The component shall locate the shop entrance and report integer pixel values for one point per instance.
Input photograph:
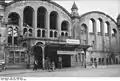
(66, 61)
(51, 53)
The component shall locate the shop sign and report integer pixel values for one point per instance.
(60, 52)
(72, 41)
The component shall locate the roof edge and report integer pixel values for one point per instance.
(99, 13)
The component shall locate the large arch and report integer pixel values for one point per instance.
(28, 16)
(41, 17)
(53, 20)
(14, 18)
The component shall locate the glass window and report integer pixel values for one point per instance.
(17, 60)
(23, 54)
(22, 60)
(17, 54)
(11, 60)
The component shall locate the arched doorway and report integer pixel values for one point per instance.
(37, 49)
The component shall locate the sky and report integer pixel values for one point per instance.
(110, 7)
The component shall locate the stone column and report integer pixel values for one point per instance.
(34, 23)
(95, 33)
(21, 22)
(103, 34)
(47, 24)
(58, 25)
(43, 56)
(110, 36)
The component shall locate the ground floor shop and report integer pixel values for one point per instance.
(70, 55)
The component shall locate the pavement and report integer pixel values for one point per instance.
(64, 71)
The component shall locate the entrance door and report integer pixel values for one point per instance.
(38, 55)
(51, 52)
(66, 61)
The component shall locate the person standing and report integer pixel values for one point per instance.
(35, 65)
(95, 62)
(60, 62)
(53, 65)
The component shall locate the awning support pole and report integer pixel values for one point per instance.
(85, 58)
(43, 56)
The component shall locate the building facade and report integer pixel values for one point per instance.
(36, 29)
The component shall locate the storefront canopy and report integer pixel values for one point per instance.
(68, 46)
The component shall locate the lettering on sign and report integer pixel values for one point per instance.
(72, 41)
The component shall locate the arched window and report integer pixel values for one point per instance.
(92, 24)
(24, 30)
(83, 29)
(51, 33)
(15, 35)
(10, 31)
(66, 34)
(64, 26)
(114, 32)
(62, 34)
(13, 18)
(55, 34)
(30, 32)
(24, 44)
(28, 16)
(10, 35)
(38, 33)
(53, 20)
(43, 33)
(41, 17)
(99, 25)
(106, 27)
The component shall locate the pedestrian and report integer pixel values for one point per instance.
(49, 65)
(35, 66)
(60, 62)
(95, 63)
(53, 65)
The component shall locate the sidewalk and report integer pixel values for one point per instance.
(22, 71)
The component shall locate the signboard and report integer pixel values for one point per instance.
(72, 41)
(60, 52)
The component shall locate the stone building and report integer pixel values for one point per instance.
(49, 30)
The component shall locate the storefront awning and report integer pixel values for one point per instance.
(72, 46)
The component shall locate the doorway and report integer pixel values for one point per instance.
(38, 55)
(66, 61)
(51, 53)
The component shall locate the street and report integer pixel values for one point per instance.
(101, 71)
